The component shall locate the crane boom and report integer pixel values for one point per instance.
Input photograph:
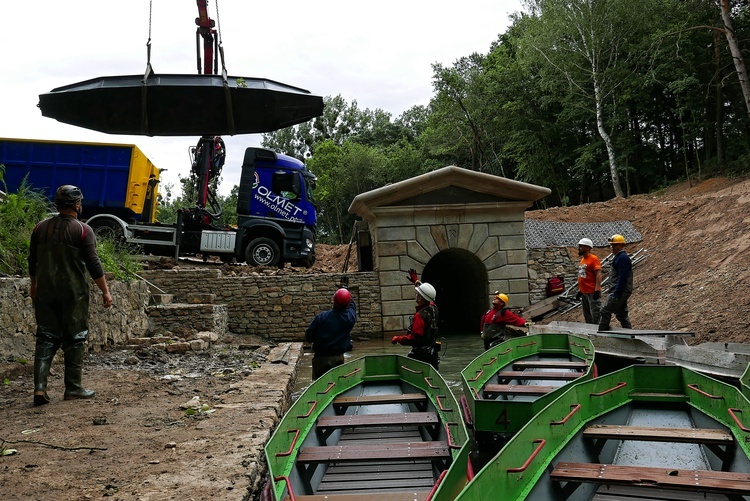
(206, 32)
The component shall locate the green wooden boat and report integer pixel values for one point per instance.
(508, 384)
(380, 425)
(643, 432)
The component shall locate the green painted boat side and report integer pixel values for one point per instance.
(745, 382)
(300, 420)
(522, 467)
(507, 416)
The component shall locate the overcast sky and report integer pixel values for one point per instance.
(377, 53)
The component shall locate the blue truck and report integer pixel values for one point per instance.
(276, 215)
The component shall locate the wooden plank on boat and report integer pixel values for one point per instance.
(545, 375)
(682, 435)
(391, 419)
(726, 482)
(393, 451)
(518, 389)
(383, 496)
(551, 364)
(405, 398)
(630, 493)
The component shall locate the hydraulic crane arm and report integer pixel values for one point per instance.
(207, 32)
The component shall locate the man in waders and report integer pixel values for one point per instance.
(62, 249)
(422, 333)
(330, 333)
(496, 320)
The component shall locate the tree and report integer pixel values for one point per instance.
(584, 41)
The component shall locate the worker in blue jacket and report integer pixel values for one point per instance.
(330, 333)
(621, 286)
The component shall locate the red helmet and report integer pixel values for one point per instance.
(341, 298)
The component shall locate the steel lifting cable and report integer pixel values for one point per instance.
(147, 73)
(227, 93)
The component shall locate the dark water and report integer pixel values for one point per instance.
(458, 351)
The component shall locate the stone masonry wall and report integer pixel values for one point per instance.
(279, 306)
(111, 327)
(547, 263)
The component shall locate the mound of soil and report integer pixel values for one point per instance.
(696, 277)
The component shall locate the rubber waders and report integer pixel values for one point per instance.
(74, 373)
(43, 355)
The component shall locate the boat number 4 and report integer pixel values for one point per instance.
(502, 418)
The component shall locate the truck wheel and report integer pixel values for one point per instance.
(109, 230)
(262, 252)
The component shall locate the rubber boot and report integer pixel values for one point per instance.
(43, 355)
(74, 373)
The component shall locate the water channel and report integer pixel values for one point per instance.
(458, 351)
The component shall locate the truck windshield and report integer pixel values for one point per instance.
(310, 188)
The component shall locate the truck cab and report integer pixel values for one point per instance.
(276, 215)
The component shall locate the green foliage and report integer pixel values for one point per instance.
(119, 259)
(19, 213)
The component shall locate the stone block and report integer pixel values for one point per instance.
(451, 230)
(426, 240)
(391, 249)
(451, 215)
(512, 242)
(140, 341)
(425, 216)
(198, 298)
(177, 347)
(464, 235)
(391, 220)
(417, 252)
(198, 345)
(159, 299)
(506, 228)
(488, 248)
(391, 308)
(389, 263)
(440, 236)
(495, 260)
(479, 235)
(518, 286)
(508, 272)
(208, 336)
(516, 256)
(394, 324)
(407, 263)
(392, 278)
(498, 285)
(390, 293)
(395, 233)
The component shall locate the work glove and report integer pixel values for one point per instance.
(528, 324)
(579, 295)
(597, 294)
(412, 276)
(397, 339)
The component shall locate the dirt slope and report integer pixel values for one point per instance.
(697, 276)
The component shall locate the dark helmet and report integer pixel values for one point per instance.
(341, 298)
(68, 194)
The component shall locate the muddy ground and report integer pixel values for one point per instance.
(136, 440)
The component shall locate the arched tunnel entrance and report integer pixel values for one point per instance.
(461, 282)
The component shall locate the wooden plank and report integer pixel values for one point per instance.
(394, 451)
(549, 364)
(518, 389)
(726, 482)
(630, 493)
(543, 375)
(369, 420)
(381, 496)
(682, 435)
(405, 398)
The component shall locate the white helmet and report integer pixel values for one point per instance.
(426, 291)
(587, 242)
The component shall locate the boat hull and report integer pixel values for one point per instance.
(640, 429)
(376, 425)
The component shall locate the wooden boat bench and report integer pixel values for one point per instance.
(714, 439)
(517, 389)
(537, 375)
(419, 399)
(729, 483)
(327, 424)
(362, 453)
(552, 364)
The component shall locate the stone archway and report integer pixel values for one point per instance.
(463, 230)
(460, 279)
